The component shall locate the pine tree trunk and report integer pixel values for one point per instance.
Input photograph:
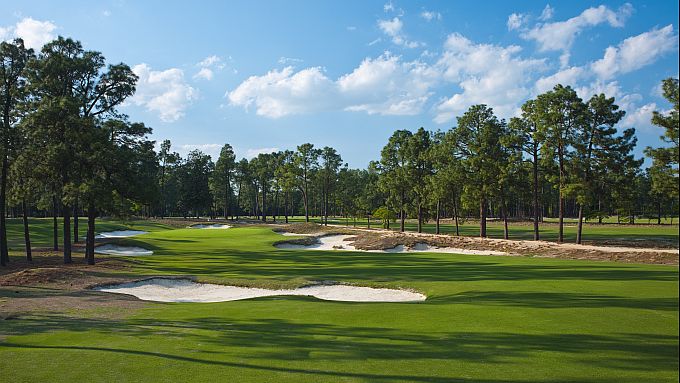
(402, 215)
(4, 251)
(455, 217)
(226, 203)
(535, 192)
(285, 206)
(579, 229)
(67, 234)
(238, 200)
(306, 202)
(561, 197)
(264, 206)
(55, 225)
(420, 218)
(455, 212)
(325, 208)
(506, 233)
(438, 209)
(227, 208)
(89, 241)
(482, 218)
(75, 222)
(560, 237)
(27, 236)
(275, 210)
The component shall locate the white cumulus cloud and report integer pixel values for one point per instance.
(205, 74)
(393, 29)
(547, 13)
(487, 74)
(636, 52)
(284, 92)
(569, 76)
(383, 85)
(516, 21)
(35, 33)
(208, 66)
(387, 85)
(164, 92)
(560, 35)
(639, 118)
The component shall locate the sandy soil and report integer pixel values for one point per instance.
(386, 240)
(345, 242)
(183, 290)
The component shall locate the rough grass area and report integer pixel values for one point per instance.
(487, 319)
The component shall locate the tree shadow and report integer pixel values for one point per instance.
(549, 300)
(268, 343)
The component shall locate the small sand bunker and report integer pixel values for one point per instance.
(120, 234)
(287, 234)
(183, 290)
(131, 251)
(210, 226)
(338, 242)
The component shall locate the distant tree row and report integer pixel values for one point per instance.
(67, 151)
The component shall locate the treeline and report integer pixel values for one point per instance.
(67, 151)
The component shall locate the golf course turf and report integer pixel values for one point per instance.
(486, 319)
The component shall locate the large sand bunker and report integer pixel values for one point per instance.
(131, 251)
(119, 234)
(210, 226)
(338, 242)
(183, 290)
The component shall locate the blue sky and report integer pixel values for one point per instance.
(271, 75)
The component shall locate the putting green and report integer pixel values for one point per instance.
(486, 319)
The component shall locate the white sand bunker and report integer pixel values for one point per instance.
(120, 234)
(287, 234)
(337, 242)
(182, 290)
(210, 226)
(132, 251)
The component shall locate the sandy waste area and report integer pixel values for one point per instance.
(338, 242)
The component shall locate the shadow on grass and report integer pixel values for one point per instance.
(273, 342)
(556, 300)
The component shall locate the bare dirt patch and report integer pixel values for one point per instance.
(48, 285)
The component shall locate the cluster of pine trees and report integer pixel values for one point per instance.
(67, 152)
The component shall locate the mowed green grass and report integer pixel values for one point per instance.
(41, 230)
(525, 230)
(486, 319)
